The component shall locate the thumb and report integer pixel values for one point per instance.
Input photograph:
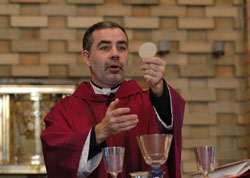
(112, 105)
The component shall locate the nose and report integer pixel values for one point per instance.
(114, 53)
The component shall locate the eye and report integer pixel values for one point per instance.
(104, 48)
(122, 48)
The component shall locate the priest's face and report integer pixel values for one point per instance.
(108, 57)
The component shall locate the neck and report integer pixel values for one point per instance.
(104, 91)
(98, 86)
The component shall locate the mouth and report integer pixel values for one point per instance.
(114, 68)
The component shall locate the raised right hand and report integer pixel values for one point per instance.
(116, 120)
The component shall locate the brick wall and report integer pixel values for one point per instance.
(41, 39)
(246, 10)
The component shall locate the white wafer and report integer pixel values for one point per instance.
(147, 50)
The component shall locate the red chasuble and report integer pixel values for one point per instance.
(70, 121)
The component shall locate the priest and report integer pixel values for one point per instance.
(111, 111)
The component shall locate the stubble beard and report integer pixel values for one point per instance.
(109, 78)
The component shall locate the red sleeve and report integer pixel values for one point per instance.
(174, 160)
(62, 142)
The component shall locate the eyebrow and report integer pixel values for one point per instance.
(103, 42)
(109, 42)
(123, 42)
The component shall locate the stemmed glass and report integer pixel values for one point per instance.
(205, 159)
(155, 148)
(113, 160)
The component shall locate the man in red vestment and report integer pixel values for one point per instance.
(110, 111)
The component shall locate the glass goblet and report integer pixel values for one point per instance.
(155, 148)
(205, 159)
(113, 160)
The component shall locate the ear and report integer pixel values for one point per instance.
(86, 57)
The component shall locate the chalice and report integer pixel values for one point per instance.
(113, 160)
(205, 159)
(155, 149)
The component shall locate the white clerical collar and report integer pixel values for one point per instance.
(103, 91)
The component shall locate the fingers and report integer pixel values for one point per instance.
(153, 63)
(120, 111)
(118, 118)
(123, 129)
(116, 125)
(113, 104)
(154, 60)
(154, 69)
(113, 112)
(151, 66)
(151, 72)
(123, 123)
(125, 118)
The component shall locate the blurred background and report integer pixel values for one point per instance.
(204, 42)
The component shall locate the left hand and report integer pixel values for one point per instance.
(154, 69)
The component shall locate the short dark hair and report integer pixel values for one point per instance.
(88, 39)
